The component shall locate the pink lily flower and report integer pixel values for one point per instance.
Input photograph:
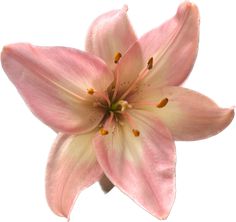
(118, 107)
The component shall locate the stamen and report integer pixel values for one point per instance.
(103, 132)
(162, 103)
(131, 123)
(90, 91)
(135, 132)
(108, 123)
(117, 57)
(99, 104)
(104, 96)
(143, 73)
(150, 63)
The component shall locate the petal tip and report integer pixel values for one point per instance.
(125, 8)
(163, 216)
(187, 7)
(12, 48)
(6, 49)
(231, 112)
(227, 117)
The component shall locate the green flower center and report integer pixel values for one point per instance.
(119, 106)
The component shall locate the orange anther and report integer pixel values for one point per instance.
(162, 103)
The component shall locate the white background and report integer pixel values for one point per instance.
(206, 170)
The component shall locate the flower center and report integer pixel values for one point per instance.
(116, 109)
(117, 112)
(119, 106)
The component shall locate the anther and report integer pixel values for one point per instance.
(135, 132)
(103, 132)
(150, 63)
(162, 103)
(90, 91)
(117, 57)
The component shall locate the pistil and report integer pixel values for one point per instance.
(120, 106)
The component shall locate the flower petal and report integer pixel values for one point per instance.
(54, 80)
(72, 166)
(173, 47)
(188, 115)
(142, 166)
(110, 33)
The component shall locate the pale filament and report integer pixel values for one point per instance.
(130, 120)
(109, 121)
(117, 57)
(140, 77)
(143, 103)
(103, 130)
(104, 96)
(117, 84)
(131, 123)
(99, 104)
(160, 104)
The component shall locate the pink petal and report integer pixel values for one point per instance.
(110, 33)
(54, 80)
(188, 115)
(72, 166)
(143, 167)
(173, 47)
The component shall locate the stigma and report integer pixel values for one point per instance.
(120, 106)
(124, 105)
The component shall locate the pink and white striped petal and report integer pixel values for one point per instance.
(173, 47)
(189, 115)
(72, 167)
(54, 81)
(109, 34)
(142, 166)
